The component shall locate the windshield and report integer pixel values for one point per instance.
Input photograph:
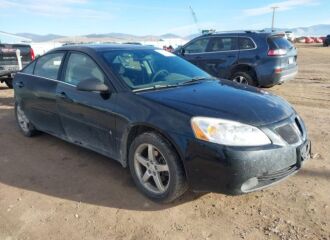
(151, 68)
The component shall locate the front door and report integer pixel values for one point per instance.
(195, 52)
(85, 116)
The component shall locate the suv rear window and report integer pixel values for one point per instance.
(278, 42)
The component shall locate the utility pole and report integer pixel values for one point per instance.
(273, 19)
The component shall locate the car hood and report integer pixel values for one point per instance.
(224, 99)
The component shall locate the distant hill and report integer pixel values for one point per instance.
(39, 38)
(315, 30)
(170, 35)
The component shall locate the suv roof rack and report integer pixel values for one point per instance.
(238, 31)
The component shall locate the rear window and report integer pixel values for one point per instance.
(279, 42)
(48, 65)
(9, 48)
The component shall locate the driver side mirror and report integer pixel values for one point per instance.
(92, 85)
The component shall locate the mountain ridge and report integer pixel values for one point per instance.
(314, 30)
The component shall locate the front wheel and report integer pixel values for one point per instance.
(244, 78)
(24, 123)
(156, 168)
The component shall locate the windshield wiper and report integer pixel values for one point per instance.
(196, 79)
(159, 86)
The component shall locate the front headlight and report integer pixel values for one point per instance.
(226, 132)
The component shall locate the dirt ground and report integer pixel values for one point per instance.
(50, 189)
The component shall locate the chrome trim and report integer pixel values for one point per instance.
(238, 50)
(50, 79)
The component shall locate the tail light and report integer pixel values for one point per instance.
(276, 52)
(32, 54)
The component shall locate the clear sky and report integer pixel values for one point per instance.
(142, 17)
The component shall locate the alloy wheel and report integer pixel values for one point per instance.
(23, 121)
(151, 168)
(241, 79)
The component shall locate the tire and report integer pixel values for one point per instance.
(9, 83)
(244, 78)
(173, 180)
(24, 124)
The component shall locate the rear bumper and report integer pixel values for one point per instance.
(238, 170)
(276, 78)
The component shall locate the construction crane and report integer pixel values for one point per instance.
(199, 30)
(194, 16)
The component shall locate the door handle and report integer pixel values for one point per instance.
(64, 97)
(20, 84)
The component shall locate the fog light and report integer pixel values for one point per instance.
(249, 184)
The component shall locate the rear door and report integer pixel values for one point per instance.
(221, 54)
(86, 116)
(36, 90)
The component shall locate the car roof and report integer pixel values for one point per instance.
(243, 33)
(102, 47)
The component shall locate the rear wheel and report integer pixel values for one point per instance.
(9, 82)
(244, 78)
(156, 168)
(24, 123)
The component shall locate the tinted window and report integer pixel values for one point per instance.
(279, 43)
(197, 46)
(49, 65)
(148, 68)
(245, 43)
(29, 69)
(223, 44)
(81, 67)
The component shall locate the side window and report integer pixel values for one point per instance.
(29, 69)
(245, 43)
(81, 67)
(223, 44)
(48, 66)
(197, 46)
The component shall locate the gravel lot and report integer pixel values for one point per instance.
(50, 189)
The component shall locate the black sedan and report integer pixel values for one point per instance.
(171, 123)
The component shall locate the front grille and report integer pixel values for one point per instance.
(289, 133)
(271, 178)
(276, 176)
